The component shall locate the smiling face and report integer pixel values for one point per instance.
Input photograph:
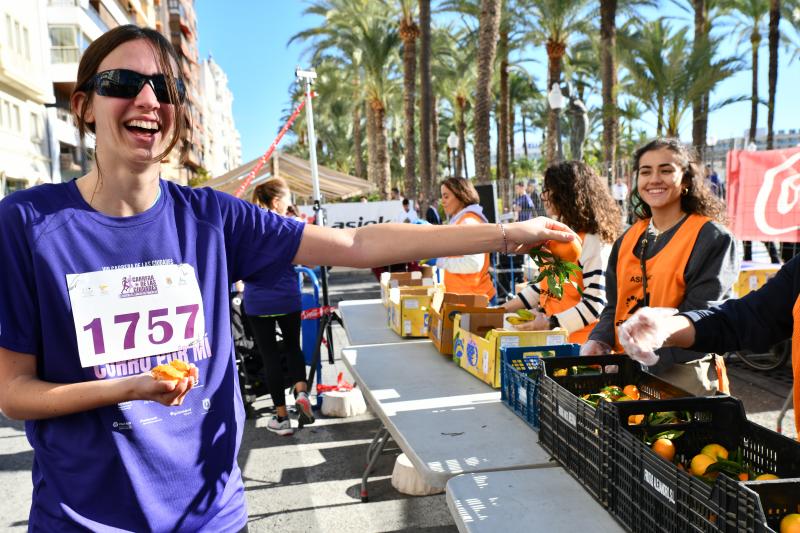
(660, 180)
(131, 131)
(450, 203)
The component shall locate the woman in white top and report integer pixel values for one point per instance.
(578, 197)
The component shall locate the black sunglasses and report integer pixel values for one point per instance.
(122, 83)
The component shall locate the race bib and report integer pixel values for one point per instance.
(135, 312)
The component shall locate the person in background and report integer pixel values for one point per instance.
(772, 251)
(115, 272)
(466, 274)
(679, 254)
(395, 195)
(620, 193)
(574, 194)
(431, 213)
(523, 205)
(409, 214)
(536, 199)
(272, 303)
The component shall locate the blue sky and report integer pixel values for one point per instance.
(248, 39)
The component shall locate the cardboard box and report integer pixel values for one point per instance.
(753, 276)
(443, 306)
(478, 337)
(408, 310)
(427, 277)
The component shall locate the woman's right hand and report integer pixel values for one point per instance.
(595, 348)
(644, 333)
(169, 393)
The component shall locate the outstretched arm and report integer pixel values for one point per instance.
(385, 244)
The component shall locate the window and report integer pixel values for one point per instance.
(18, 33)
(17, 119)
(67, 44)
(9, 31)
(7, 114)
(26, 42)
(36, 127)
(2, 115)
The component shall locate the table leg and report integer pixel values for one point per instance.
(373, 452)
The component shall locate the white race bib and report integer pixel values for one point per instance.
(135, 312)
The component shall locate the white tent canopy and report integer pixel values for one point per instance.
(297, 173)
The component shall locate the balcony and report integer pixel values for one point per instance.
(65, 54)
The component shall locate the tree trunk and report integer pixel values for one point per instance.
(511, 119)
(502, 108)
(460, 127)
(555, 55)
(434, 147)
(524, 135)
(499, 142)
(426, 96)
(358, 162)
(487, 47)
(409, 33)
(372, 158)
(660, 118)
(755, 42)
(698, 116)
(608, 70)
(774, 35)
(381, 150)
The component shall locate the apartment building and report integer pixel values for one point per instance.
(26, 155)
(222, 146)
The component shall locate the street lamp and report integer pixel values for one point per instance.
(452, 145)
(556, 101)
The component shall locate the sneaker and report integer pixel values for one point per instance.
(305, 415)
(281, 428)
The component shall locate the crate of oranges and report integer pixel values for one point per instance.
(570, 426)
(686, 463)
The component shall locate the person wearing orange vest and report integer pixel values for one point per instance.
(574, 194)
(679, 254)
(466, 274)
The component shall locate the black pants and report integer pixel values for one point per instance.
(772, 250)
(266, 341)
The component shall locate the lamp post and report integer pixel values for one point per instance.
(452, 146)
(556, 101)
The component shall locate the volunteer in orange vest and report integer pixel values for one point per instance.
(465, 274)
(679, 254)
(574, 194)
(755, 322)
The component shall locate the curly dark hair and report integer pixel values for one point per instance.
(697, 198)
(582, 199)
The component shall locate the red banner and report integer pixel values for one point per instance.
(764, 195)
(316, 312)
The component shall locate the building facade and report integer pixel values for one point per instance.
(222, 146)
(26, 153)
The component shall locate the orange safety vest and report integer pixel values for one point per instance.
(477, 283)
(570, 299)
(665, 283)
(796, 363)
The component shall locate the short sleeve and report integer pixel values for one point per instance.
(20, 329)
(260, 243)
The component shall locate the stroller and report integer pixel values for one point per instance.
(250, 368)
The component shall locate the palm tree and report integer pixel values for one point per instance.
(608, 74)
(426, 164)
(774, 35)
(750, 19)
(409, 32)
(554, 23)
(487, 46)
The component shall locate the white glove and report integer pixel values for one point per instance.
(595, 348)
(642, 334)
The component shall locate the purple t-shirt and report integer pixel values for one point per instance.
(135, 466)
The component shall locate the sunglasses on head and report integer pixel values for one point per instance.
(122, 83)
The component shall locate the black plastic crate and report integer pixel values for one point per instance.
(648, 493)
(571, 429)
(771, 500)
(520, 374)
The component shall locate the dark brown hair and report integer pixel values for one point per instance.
(463, 190)
(582, 200)
(273, 188)
(108, 42)
(698, 198)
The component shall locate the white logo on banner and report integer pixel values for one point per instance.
(788, 196)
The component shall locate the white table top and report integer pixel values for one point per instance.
(365, 322)
(445, 420)
(542, 499)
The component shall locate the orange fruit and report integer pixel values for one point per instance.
(566, 251)
(790, 523)
(631, 391)
(665, 449)
(635, 420)
(700, 463)
(715, 451)
(765, 477)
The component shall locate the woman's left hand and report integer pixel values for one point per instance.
(540, 323)
(522, 236)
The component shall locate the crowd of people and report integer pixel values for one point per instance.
(118, 271)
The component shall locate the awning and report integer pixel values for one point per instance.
(297, 173)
